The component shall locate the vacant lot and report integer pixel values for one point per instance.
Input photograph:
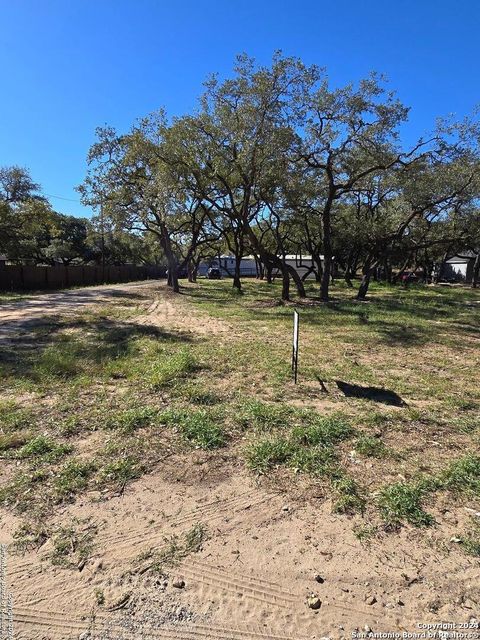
(147, 438)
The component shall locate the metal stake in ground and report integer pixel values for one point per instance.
(296, 323)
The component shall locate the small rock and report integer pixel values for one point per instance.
(367, 629)
(319, 579)
(314, 602)
(390, 605)
(370, 600)
(455, 539)
(285, 507)
(178, 583)
(84, 636)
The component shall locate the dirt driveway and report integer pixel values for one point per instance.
(17, 318)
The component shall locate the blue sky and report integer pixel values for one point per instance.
(71, 65)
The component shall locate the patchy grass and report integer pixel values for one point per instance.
(323, 431)
(43, 449)
(470, 541)
(169, 369)
(403, 502)
(73, 544)
(129, 420)
(73, 477)
(174, 550)
(265, 453)
(370, 446)
(120, 471)
(351, 497)
(462, 475)
(199, 428)
(99, 372)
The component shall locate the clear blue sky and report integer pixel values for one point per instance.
(68, 66)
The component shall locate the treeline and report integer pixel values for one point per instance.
(32, 233)
(276, 161)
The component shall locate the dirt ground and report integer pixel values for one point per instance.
(266, 552)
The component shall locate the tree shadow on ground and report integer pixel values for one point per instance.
(377, 394)
(97, 341)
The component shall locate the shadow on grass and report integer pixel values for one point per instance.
(377, 394)
(72, 345)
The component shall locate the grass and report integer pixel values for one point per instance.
(169, 369)
(403, 502)
(199, 428)
(73, 544)
(43, 448)
(370, 446)
(175, 549)
(265, 453)
(151, 390)
(129, 420)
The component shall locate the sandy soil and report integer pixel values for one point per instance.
(266, 551)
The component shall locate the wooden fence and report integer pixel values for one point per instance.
(13, 277)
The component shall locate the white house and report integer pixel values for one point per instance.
(226, 264)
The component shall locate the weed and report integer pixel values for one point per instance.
(351, 498)
(73, 477)
(323, 431)
(43, 448)
(165, 371)
(266, 453)
(73, 545)
(175, 549)
(30, 536)
(370, 446)
(365, 533)
(402, 501)
(130, 420)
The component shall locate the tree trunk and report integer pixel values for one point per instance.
(268, 272)
(237, 283)
(365, 283)
(297, 280)
(476, 271)
(327, 256)
(438, 275)
(285, 283)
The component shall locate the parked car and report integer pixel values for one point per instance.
(214, 273)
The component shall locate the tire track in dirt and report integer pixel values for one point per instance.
(53, 620)
(209, 511)
(262, 591)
